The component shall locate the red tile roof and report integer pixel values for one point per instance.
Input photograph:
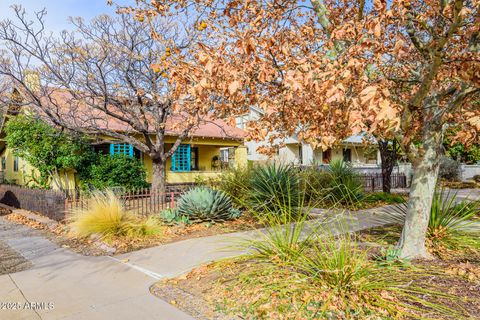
(80, 115)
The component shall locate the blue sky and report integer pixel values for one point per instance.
(60, 10)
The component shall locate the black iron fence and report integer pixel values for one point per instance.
(140, 201)
(374, 182)
(371, 181)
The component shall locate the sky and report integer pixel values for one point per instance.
(58, 11)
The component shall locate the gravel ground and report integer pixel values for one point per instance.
(11, 261)
(193, 304)
(20, 246)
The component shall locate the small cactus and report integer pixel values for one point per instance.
(202, 204)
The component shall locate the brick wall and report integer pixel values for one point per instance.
(46, 202)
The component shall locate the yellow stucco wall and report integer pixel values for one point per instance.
(207, 149)
(26, 173)
(18, 177)
(241, 157)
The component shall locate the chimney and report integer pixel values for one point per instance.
(32, 80)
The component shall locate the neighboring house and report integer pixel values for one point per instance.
(211, 147)
(353, 149)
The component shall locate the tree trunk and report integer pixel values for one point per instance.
(388, 154)
(158, 175)
(425, 174)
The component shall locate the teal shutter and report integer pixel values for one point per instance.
(181, 159)
(121, 148)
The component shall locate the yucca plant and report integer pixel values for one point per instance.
(314, 182)
(106, 216)
(272, 187)
(345, 186)
(356, 285)
(203, 204)
(447, 215)
(451, 224)
(450, 215)
(322, 256)
(284, 238)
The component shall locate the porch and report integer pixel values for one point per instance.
(193, 162)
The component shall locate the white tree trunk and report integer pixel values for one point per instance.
(425, 173)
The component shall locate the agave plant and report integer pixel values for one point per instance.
(172, 216)
(273, 187)
(202, 204)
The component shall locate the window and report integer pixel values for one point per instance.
(181, 158)
(194, 158)
(347, 155)
(121, 148)
(4, 163)
(327, 156)
(241, 121)
(15, 164)
(300, 154)
(224, 155)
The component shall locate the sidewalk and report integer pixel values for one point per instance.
(79, 287)
(109, 287)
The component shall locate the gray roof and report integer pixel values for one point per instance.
(360, 138)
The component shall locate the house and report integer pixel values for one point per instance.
(357, 149)
(211, 147)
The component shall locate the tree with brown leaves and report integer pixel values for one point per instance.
(327, 69)
(105, 80)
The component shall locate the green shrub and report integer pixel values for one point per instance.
(314, 182)
(47, 149)
(107, 171)
(203, 204)
(345, 186)
(273, 187)
(449, 169)
(235, 182)
(384, 197)
(106, 216)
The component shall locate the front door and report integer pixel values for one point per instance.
(347, 155)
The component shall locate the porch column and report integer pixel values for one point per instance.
(240, 157)
(307, 154)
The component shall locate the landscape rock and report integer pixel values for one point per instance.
(4, 210)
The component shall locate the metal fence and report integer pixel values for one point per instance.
(374, 182)
(140, 201)
(371, 181)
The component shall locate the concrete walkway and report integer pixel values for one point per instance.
(79, 287)
(109, 287)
